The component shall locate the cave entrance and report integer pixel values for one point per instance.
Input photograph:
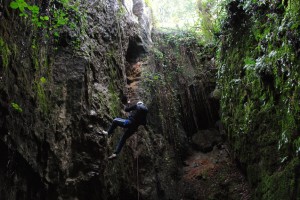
(136, 49)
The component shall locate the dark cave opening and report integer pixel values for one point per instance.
(18, 180)
(136, 49)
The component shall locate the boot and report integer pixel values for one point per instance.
(104, 132)
(113, 156)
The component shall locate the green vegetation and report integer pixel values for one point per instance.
(211, 14)
(114, 105)
(176, 59)
(67, 14)
(16, 107)
(202, 18)
(32, 11)
(4, 53)
(41, 95)
(114, 100)
(174, 14)
(43, 27)
(258, 76)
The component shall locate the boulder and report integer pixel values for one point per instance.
(205, 140)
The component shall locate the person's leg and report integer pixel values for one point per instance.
(118, 122)
(129, 132)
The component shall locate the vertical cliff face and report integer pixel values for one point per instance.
(66, 69)
(185, 70)
(61, 83)
(178, 81)
(258, 75)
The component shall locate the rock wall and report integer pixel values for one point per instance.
(258, 78)
(60, 85)
(64, 80)
(177, 82)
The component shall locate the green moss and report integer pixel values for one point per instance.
(177, 58)
(258, 77)
(15, 50)
(35, 48)
(279, 185)
(4, 52)
(114, 100)
(110, 54)
(41, 95)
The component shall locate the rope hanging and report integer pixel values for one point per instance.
(137, 166)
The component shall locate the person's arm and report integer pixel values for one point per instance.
(130, 108)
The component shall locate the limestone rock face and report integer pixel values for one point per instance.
(67, 93)
(199, 110)
(67, 89)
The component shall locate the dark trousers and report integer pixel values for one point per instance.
(125, 123)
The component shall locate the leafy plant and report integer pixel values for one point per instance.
(249, 63)
(21, 5)
(33, 11)
(65, 3)
(59, 16)
(4, 53)
(16, 107)
(43, 80)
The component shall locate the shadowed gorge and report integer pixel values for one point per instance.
(221, 86)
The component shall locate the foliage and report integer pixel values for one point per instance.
(174, 14)
(16, 107)
(60, 20)
(4, 52)
(211, 14)
(202, 18)
(19, 4)
(176, 58)
(43, 27)
(43, 80)
(258, 76)
(32, 11)
(58, 16)
(41, 95)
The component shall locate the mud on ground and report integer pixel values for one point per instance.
(212, 176)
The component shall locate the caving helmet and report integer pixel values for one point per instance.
(139, 103)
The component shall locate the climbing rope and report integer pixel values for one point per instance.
(137, 166)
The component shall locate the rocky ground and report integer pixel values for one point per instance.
(212, 175)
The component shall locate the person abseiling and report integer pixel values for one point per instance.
(137, 116)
